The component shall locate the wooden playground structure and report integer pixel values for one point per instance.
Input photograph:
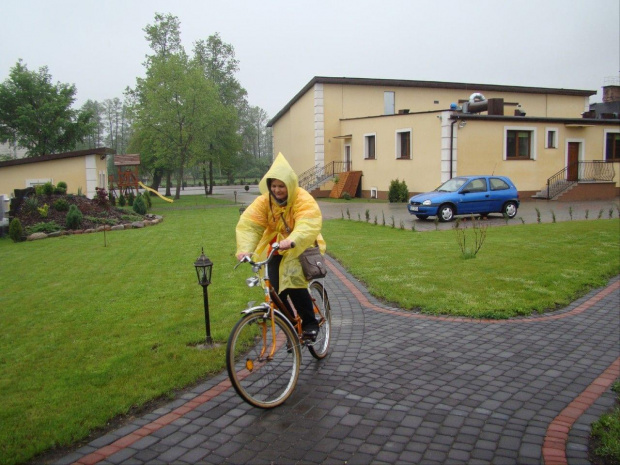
(126, 179)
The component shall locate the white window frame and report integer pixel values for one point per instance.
(533, 148)
(389, 104)
(555, 139)
(366, 136)
(38, 182)
(397, 151)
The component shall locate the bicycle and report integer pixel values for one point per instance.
(263, 354)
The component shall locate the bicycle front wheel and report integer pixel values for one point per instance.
(323, 314)
(263, 359)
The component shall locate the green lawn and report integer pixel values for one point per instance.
(93, 325)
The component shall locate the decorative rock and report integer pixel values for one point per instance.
(137, 224)
(89, 231)
(37, 236)
(117, 227)
(55, 234)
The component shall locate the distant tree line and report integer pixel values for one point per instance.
(189, 115)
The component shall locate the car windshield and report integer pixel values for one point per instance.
(452, 185)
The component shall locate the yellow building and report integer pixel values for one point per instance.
(426, 132)
(83, 170)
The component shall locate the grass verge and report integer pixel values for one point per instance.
(92, 328)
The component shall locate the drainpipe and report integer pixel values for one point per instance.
(452, 144)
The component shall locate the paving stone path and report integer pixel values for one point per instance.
(403, 388)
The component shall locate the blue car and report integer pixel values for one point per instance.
(467, 195)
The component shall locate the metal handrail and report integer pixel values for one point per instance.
(317, 175)
(587, 171)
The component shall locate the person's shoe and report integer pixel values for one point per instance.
(310, 334)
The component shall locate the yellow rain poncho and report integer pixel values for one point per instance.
(262, 221)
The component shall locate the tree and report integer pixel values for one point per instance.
(37, 115)
(177, 112)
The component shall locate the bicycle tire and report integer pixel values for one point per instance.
(263, 382)
(318, 349)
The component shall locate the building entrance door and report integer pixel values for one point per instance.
(573, 161)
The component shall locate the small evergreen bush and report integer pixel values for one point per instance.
(112, 199)
(15, 230)
(62, 185)
(60, 190)
(49, 227)
(44, 210)
(61, 205)
(48, 188)
(147, 200)
(101, 197)
(138, 206)
(398, 192)
(31, 204)
(131, 198)
(74, 217)
(121, 200)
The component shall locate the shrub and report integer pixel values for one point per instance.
(44, 210)
(147, 200)
(62, 185)
(74, 217)
(48, 227)
(101, 197)
(398, 192)
(130, 199)
(61, 205)
(48, 188)
(60, 190)
(112, 199)
(38, 189)
(138, 206)
(31, 204)
(121, 200)
(15, 230)
(346, 196)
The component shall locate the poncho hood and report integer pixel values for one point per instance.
(280, 169)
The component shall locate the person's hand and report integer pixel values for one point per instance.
(242, 255)
(286, 244)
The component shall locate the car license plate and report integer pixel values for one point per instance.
(414, 209)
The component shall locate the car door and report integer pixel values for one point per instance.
(474, 197)
(501, 191)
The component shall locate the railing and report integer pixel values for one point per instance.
(581, 171)
(317, 175)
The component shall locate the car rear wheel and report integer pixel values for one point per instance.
(422, 217)
(510, 209)
(446, 212)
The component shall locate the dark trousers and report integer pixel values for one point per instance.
(300, 297)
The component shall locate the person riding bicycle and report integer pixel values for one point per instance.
(287, 214)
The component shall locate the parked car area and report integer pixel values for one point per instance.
(467, 195)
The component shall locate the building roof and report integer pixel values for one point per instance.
(425, 84)
(127, 160)
(102, 151)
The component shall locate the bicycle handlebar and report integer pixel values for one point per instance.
(274, 247)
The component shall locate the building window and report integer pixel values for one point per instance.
(403, 144)
(520, 144)
(369, 146)
(612, 146)
(551, 140)
(389, 105)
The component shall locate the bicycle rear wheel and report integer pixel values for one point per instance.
(263, 375)
(322, 312)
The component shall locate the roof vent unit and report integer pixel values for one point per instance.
(476, 103)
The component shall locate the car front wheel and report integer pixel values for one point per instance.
(446, 213)
(422, 217)
(510, 209)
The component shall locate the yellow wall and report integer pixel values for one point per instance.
(293, 135)
(73, 171)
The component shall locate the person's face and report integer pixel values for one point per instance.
(279, 190)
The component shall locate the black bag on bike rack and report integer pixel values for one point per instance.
(312, 263)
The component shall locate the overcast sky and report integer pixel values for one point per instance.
(281, 44)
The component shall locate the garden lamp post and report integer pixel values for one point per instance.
(204, 266)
